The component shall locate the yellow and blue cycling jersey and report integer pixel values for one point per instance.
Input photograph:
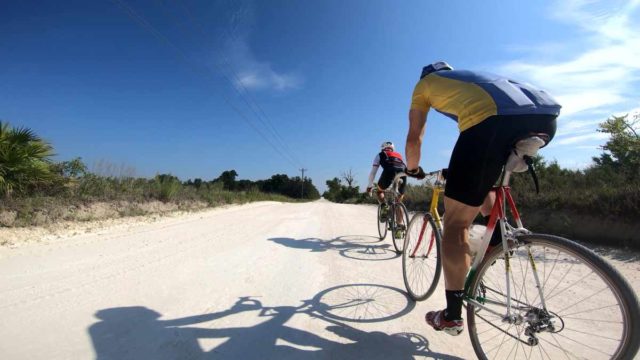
(470, 97)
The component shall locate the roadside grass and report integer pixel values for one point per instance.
(94, 197)
(576, 208)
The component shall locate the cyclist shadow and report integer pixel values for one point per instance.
(139, 333)
(357, 247)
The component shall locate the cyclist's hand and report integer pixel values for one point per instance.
(369, 190)
(416, 173)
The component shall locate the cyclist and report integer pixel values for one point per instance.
(392, 164)
(492, 113)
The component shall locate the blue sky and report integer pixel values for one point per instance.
(197, 87)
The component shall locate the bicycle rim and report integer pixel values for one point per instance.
(382, 226)
(398, 242)
(591, 311)
(421, 258)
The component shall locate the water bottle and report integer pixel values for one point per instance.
(475, 238)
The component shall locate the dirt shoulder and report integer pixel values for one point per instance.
(102, 219)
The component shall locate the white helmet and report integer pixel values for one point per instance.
(387, 145)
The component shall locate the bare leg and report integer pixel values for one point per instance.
(399, 217)
(456, 258)
(486, 207)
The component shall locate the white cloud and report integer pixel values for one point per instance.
(238, 56)
(602, 77)
(633, 113)
(263, 77)
(577, 126)
(573, 139)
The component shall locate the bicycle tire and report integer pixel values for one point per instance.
(382, 225)
(398, 243)
(421, 262)
(607, 312)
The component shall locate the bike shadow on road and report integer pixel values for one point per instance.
(137, 332)
(357, 247)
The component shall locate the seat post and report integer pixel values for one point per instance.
(506, 177)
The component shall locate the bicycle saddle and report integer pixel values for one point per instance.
(523, 152)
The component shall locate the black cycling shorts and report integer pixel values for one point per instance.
(482, 150)
(386, 179)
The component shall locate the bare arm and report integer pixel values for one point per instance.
(417, 124)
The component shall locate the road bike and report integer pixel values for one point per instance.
(538, 296)
(398, 223)
(421, 266)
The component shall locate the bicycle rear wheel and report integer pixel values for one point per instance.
(382, 225)
(589, 311)
(399, 231)
(421, 258)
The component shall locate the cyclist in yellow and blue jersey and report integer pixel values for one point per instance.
(493, 112)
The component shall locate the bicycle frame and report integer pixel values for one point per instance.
(438, 188)
(392, 193)
(395, 187)
(433, 208)
(499, 215)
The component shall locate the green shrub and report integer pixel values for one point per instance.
(24, 160)
(167, 187)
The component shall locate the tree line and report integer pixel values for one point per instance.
(34, 186)
(293, 187)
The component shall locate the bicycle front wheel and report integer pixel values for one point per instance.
(566, 302)
(399, 229)
(421, 258)
(382, 223)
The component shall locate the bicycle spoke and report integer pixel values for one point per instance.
(485, 331)
(520, 331)
(557, 345)
(570, 286)
(593, 334)
(583, 300)
(592, 320)
(420, 272)
(583, 344)
(582, 318)
(544, 271)
(530, 352)
(544, 286)
(523, 289)
(515, 347)
(503, 340)
(498, 346)
(541, 349)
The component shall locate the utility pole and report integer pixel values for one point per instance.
(302, 183)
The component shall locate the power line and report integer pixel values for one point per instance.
(140, 20)
(237, 83)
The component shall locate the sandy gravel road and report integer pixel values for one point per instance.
(260, 281)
